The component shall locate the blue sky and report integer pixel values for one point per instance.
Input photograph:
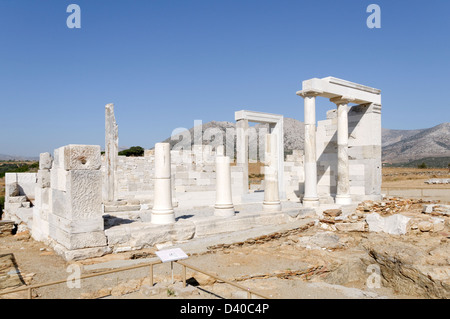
(167, 63)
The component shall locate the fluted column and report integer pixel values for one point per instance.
(162, 212)
(310, 197)
(224, 203)
(343, 182)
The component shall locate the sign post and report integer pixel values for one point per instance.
(171, 255)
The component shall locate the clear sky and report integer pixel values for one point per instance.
(167, 63)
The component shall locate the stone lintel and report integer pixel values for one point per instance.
(259, 117)
(334, 87)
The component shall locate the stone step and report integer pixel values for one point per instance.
(121, 208)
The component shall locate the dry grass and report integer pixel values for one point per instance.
(413, 177)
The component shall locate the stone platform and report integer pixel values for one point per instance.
(136, 231)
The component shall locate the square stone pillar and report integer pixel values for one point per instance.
(42, 203)
(111, 153)
(76, 222)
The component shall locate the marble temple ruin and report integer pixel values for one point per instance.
(85, 204)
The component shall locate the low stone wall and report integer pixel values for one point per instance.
(19, 198)
(192, 171)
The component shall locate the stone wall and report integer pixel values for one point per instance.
(364, 153)
(19, 197)
(192, 171)
(294, 175)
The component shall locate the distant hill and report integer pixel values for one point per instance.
(398, 146)
(4, 157)
(293, 135)
(389, 137)
(418, 144)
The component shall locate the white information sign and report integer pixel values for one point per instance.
(171, 254)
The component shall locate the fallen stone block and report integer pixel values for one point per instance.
(349, 227)
(425, 226)
(306, 213)
(332, 212)
(427, 209)
(394, 225)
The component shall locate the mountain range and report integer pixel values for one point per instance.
(398, 146)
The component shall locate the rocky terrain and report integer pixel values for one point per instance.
(416, 144)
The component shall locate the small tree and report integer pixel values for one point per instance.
(133, 151)
(423, 165)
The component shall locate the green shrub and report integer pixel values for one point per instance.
(133, 151)
(423, 165)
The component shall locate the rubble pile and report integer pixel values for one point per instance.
(334, 220)
(395, 216)
(391, 205)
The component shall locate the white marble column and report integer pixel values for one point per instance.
(343, 183)
(310, 198)
(224, 203)
(162, 212)
(242, 150)
(271, 192)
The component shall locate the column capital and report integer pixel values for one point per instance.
(342, 100)
(309, 93)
